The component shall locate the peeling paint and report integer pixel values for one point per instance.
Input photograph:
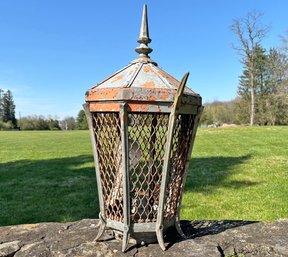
(109, 93)
(149, 84)
(104, 107)
(164, 95)
(117, 78)
(147, 68)
(144, 82)
(152, 98)
(138, 107)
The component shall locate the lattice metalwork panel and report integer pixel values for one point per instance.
(108, 143)
(147, 139)
(182, 137)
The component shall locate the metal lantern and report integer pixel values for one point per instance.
(142, 123)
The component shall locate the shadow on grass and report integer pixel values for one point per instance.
(208, 173)
(64, 189)
(59, 190)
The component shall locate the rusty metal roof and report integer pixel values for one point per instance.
(141, 80)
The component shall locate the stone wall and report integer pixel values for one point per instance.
(205, 238)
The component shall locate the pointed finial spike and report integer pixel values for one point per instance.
(144, 30)
(143, 50)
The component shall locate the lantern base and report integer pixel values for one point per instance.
(138, 233)
(143, 238)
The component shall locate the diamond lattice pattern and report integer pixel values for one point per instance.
(147, 139)
(108, 144)
(182, 136)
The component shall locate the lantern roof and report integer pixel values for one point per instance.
(142, 79)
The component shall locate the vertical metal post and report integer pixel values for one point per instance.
(151, 177)
(186, 170)
(102, 218)
(167, 161)
(125, 169)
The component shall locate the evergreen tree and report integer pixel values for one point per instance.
(1, 107)
(8, 108)
(277, 66)
(270, 87)
(260, 80)
(81, 120)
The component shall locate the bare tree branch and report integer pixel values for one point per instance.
(250, 33)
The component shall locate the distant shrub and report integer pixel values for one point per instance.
(6, 125)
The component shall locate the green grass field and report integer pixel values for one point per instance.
(235, 173)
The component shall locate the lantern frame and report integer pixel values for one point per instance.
(110, 109)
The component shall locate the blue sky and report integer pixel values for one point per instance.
(53, 51)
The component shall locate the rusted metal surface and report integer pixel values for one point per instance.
(108, 142)
(140, 82)
(131, 106)
(182, 136)
(125, 171)
(141, 107)
(142, 124)
(144, 75)
(186, 168)
(147, 141)
(167, 162)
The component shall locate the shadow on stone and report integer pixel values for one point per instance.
(200, 228)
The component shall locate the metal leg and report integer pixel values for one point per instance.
(179, 229)
(125, 171)
(125, 240)
(177, 221)
(102, 226)
(167, 161)
(159, 234)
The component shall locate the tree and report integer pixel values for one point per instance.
(68, 123)
(241, 111)
(8, 108)
(284, 41)
(277, 65)
(250, 33)
(1, 108)
(261, 79)
(270, 84)
(53, 124)
(81, 121)
(218, 113)
(38, 123)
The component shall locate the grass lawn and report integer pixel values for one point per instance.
(238, 173)
(46, 176)
(235, 173)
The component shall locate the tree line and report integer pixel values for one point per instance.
(35, 122)
(8, 120)
(263, 85)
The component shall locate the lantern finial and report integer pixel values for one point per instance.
(143, 50)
